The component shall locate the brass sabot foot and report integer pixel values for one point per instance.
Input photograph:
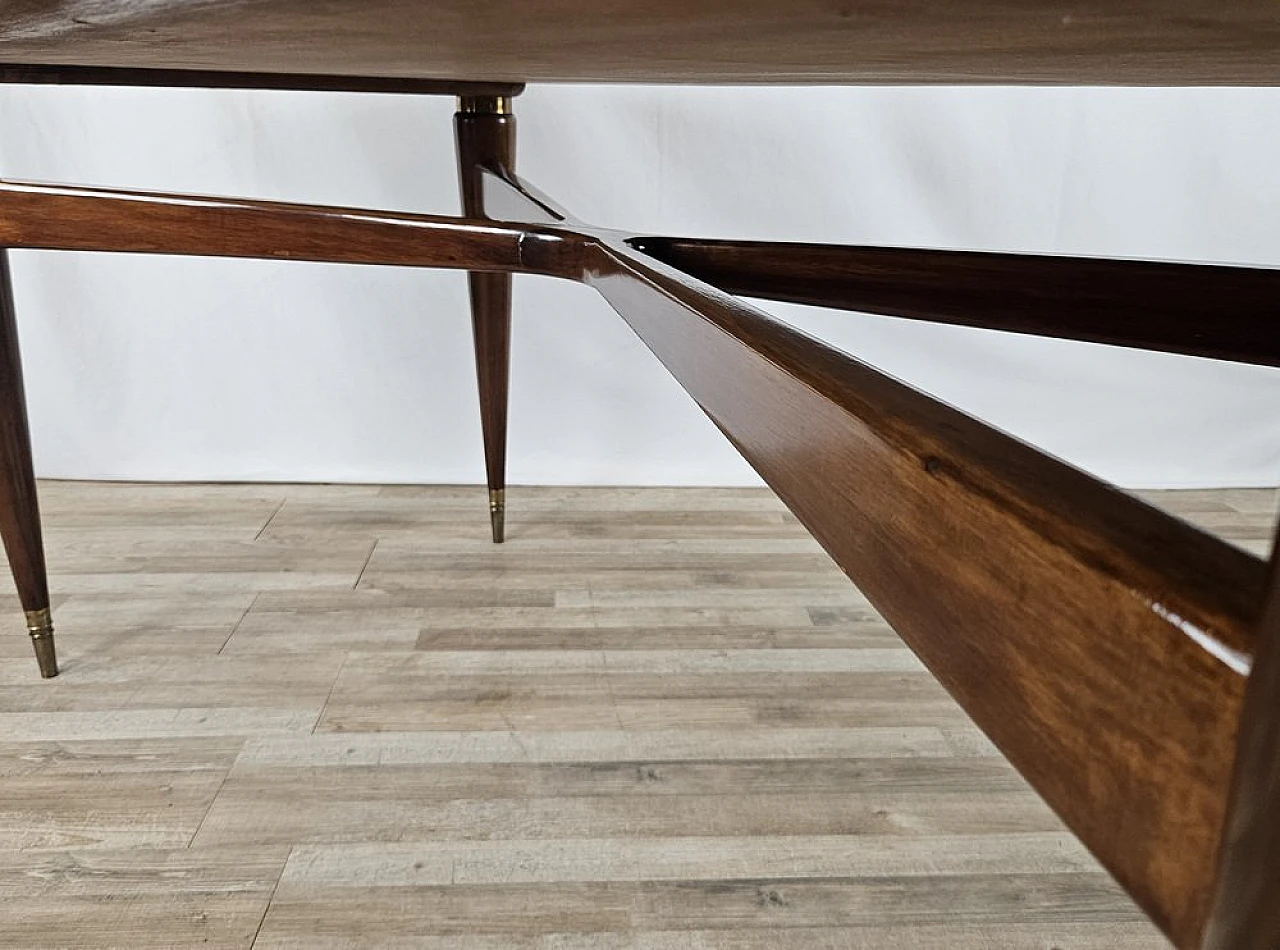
(40, 626)
(497, 513)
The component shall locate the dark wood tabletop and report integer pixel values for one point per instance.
(1126, 42)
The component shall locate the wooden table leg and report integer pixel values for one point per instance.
(19, 512)
(486, 137)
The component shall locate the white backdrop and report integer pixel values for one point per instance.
(158, 368)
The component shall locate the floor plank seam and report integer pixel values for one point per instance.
(236, 626)
(213, 800)
(271, 518)
(332, 688)
(365, 566)
(270, 899)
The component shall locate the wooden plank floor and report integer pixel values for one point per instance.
(657, 719)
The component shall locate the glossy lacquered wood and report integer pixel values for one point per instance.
(19, 509)
(50, 216)
(1101, 644)
(1230, 313)
(225, 79)
(486, 138)
(815, 41)
(509, 198)
(1247, 911)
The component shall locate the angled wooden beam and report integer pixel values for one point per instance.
(509, 198)
(1228, 313)
(1246, 915)
(1101, 643)
(95, 219)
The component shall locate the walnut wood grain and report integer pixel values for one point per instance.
(1229, 313)
(1129, 42)
(1247, 911)
(86, 219)
(1097, 641)
(486, 138)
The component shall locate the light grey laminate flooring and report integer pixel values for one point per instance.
(329, 718)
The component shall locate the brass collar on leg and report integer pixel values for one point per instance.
(497, 513)
(40, 627)
(484, 105)
(40, 623)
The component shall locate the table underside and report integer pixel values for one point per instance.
(1127, 664)
(1125, 42)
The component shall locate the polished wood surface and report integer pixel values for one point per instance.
(19, 507)
(486, 138)
(224, 79)
(656, 719)
(1137, 42)
(1247, 912)
(1230, 313)
(509, 198)
(1032, 591)
(96, 219)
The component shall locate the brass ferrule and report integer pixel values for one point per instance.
(497, 513)
(40, 623)
(484, 105)
(40, 626)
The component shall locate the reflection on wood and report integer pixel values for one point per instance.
(99, 219)
(1032, 591)
(1230, 313)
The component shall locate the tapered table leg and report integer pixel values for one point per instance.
(486, 136)
(19, 512)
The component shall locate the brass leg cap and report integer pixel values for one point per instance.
(46, 656)
(40, 626)
(497, 513)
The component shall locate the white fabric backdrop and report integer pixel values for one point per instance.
(194, 369)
